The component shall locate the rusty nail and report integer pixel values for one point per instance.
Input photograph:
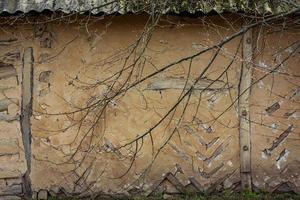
(248, 40)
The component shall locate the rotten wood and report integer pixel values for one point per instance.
(213, 187)
(273, 108)
(244, 112)
(169, 177)
(279, 140)
(4, 103)
(199, 139)
(178, 83)
(195, 184)
(208, 175)
(289, 114)
(285, 187)
(220, 149)
(282, 154)
(210, 143)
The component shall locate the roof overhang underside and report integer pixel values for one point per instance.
(163, 6)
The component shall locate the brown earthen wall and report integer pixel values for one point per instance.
(203, 154)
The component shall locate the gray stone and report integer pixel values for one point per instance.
(9, 147)
(2, 183)
(13, 181)
(54, 189)
(10, 198)
(43, 195)
(34, 195)
(8, 118)
(9, 173)
(227, 184)
(168, 197)
(52, 193)
(15, 189)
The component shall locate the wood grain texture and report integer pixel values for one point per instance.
(245, 131)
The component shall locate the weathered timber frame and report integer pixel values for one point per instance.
(244, 112)
(26, 113)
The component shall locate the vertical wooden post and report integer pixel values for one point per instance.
(26, 112)
(244, 114)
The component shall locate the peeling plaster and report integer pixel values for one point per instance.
(264, 155)
(263, 64)
(229, 163)
(274, 127)
(282, 158)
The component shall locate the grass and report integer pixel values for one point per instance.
(243, 196)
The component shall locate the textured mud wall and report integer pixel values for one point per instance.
(203, 154)
(275, 114)
(208, 154)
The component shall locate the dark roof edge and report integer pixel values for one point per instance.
(134, 6)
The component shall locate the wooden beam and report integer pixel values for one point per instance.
(244, 114)
(26, 112)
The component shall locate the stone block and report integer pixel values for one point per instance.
(7, 70)
(12, 190)
(34, 195)
(8, 173)
(13, 181)
(9, 146)
(43, 195)
(10, 198)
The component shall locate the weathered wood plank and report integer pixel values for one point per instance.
(177, 83)
(26, 112)
(244, 114)
(279, 140)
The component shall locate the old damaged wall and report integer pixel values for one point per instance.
(209, 154)
(275, 114)
(203, 154)
(12, 159)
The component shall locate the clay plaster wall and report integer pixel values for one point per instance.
(203, 154)
(275, 113)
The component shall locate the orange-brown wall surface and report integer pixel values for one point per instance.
(197, 150)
